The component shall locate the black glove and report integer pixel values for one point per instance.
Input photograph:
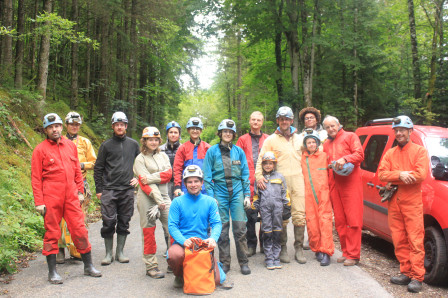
(286, 212)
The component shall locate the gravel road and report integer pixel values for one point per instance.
(129, 280)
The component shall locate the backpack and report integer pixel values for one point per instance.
(202, 273)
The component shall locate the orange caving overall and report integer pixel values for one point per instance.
(319, 214)
(56, 180)
(346, 192)
(406, 206)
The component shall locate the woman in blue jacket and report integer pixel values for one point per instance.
(226, 178)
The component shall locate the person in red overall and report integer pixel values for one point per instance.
(251, 144)
(406, 165)
(319, 214)
(58, 188)
(342, 148)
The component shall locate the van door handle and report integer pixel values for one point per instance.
(370, 184)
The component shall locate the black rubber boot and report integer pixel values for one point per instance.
(325, 260)
(60, 258)
(319, 256)
(415, 286)
(88, 266)
(400, 279)
(53, 276)
(245, 270)
(225, 268)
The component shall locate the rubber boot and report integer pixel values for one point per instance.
(121, 240)
(60, 257)
(109, 244)
(53, 276)
(298, 244)
(284, 257)
(306, 243)
(88, 266)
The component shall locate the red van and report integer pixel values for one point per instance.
(377, 137)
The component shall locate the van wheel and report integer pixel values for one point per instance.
(435, 257)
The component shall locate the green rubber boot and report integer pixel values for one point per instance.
(121, 240)
(109, 244)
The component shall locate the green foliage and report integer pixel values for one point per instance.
(60, 28)
(22, 228)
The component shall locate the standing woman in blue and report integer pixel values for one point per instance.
(189, 153)
(226, 178)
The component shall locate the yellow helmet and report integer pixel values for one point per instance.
(151, 132)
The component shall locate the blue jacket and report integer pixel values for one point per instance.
(190, 216)
(226, 172)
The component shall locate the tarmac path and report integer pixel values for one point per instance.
(129, 280)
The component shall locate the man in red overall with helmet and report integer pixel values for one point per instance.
(57, 184)
(406, 165)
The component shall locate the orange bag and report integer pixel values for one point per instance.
(199, 265)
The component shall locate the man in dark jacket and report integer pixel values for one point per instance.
(115, 182)
(173, 131)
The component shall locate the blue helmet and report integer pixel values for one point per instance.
(195, 122)
(310, 133)
(346, 170)
(285, 112)
(402, 121)
(119, 117)
(227, 124)
(173, 124)
(50, 119)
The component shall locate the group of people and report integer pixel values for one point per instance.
(198, 190)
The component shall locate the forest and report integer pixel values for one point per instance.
(355, 59)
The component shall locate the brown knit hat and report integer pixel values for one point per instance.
(308, 110)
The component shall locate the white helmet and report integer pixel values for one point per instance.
(119, 117)
(193, 171)
(285, 112)
(73, 117)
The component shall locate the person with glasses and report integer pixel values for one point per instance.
(56, 180)
(115, 182)
(87, 158)
(189, 153)
(226, 178)
(173, 131)
(153, 169)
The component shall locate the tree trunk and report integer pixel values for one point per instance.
(308, 53)
(104, 61)
(34, 38)
(7, 65)
(435, 52)
(87, 82)
(20, 44)
(239, 80)
(415, 58)
(355, 70)
(292, 38)
(74, 85)
(44, 55)
(133, 67)
(278, 14)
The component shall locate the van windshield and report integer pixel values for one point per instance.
(438, 153)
